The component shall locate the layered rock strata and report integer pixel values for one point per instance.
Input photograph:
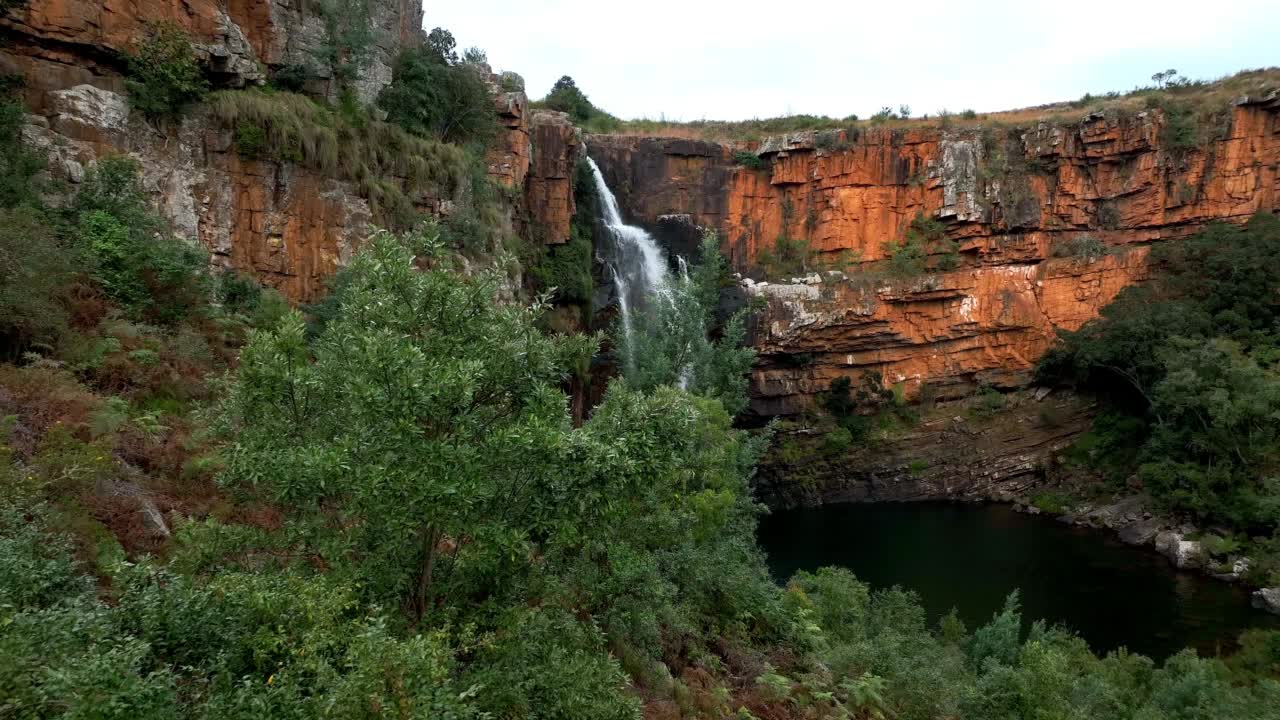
(289, 226)
(952, 453)
(1042, 226)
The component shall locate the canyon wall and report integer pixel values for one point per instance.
(1043, 225)
(289, 226)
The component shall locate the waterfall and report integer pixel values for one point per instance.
(637, 264)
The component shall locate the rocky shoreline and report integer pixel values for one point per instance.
(1132, 520)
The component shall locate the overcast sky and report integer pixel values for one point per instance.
(721, 59)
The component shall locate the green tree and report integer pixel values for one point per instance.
(566, 97)
(348, 42)
(434, 96)
(1187, 363)
(424, 411)
(164, 76)
(671, 342)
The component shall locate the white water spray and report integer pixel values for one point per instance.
(638, 265)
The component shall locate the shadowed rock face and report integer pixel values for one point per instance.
(1014, 203)
(951, 454)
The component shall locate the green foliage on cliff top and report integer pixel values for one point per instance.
(566, 97)
(434, 94)
(1208, 100)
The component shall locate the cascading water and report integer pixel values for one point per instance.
(637, 264)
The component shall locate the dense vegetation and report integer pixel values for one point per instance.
(211, 507)
(434, 93)
(1188, 364)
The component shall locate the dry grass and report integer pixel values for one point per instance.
(382, 160)
(1207, 98)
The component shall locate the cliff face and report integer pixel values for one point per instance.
(951, 453)
(1016, 207)
(57, 44)
(289, 226)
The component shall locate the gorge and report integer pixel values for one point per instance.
(341, 376)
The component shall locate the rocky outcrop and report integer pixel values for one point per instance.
(952, 453)
(57, 44)
(508, 158)
(1045, 224)
(1267, 599)
(557, 145)
(287, 226)
(1183, 553)
(986, 324)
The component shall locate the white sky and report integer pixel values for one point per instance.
(696, 59)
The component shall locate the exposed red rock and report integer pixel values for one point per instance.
(549, 186)
(1011, 201)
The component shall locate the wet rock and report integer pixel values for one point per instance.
(1141, 532)
(1267, 599)
(1185, 554)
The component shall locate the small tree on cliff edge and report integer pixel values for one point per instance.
(566, 97)
(433, 94)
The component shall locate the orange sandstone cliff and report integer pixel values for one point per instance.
(289, 226)
(1016, 203)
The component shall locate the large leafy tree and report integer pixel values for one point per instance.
(415, 432)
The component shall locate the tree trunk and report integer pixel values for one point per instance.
(430, 537)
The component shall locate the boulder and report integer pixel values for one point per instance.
(1141, 532)
(1267, 599)
(1183, 553)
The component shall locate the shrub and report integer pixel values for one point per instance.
(788, 257)
(37, 272)
(1051, 502)
(164, 77)
(511, 82)
(152, 275)
(749, 160)
(433, 98)
(292, 78)
(924, 236)
(988, 401)
(567, 268)
(250, 139)
(1108, 215)
(837, 441)
(1219, 546)
(567, 98)
(1180, 129)
(19, 165)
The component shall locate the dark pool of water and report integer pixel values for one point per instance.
(971, 556)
